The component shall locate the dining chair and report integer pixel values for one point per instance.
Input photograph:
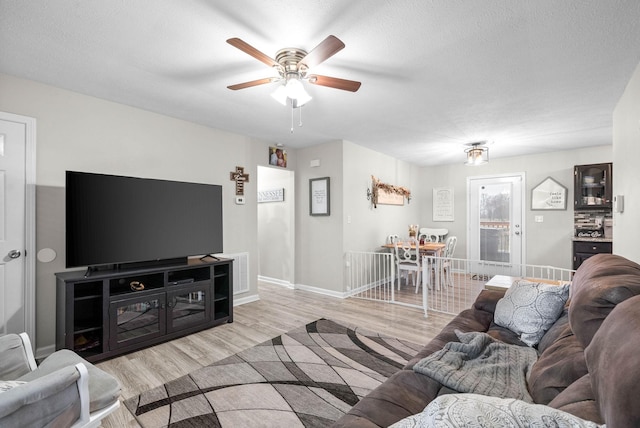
(447, 255)
(408, 260)
(438, 233)
(425, 237)
(392, 239)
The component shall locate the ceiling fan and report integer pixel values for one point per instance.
(292, 65)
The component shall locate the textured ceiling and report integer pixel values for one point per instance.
(531, 76)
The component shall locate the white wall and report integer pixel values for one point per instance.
(626, 152)
(319, 251)
(354, 225)
(547, 243)
(370, 226)
(276, 227)
(78, 132)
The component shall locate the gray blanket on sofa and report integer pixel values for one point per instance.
(481, 365)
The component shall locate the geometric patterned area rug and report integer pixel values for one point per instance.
(308, 377)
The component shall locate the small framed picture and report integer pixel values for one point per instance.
(278, 157)
(319, 196)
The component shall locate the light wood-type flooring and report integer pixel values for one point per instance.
(278, 311)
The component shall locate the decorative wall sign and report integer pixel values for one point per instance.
(240, 178)
(549, 195)
(319, 196)
(273, 195)
(387, 194)
(388, 198)
(443, 204)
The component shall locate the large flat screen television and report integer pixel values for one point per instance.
(116, 220)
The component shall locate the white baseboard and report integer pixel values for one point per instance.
(276, 281)
(323, 291)
(245, 300)
(287, 284)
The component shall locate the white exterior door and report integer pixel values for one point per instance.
(17, 190)
(495, 234)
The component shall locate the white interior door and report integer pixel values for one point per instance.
(17, 296)
(495, 234)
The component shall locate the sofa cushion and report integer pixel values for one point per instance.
(578, 399)
(560, 364)
(488, 299)
(558, 330)
(599, 284)
(104, 389)
(6, 385)
(530, 308)
(14, 362)
(404, 394)
(612, 358)
(455, 410)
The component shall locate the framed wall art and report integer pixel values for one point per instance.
(443, 204)
(319, 196)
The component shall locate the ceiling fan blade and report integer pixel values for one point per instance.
(251, 83)
(326, 49)
(248, 49)
(334, 82)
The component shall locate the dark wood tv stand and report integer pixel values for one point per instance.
(115, 311)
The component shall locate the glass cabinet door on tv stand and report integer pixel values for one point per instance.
(188, 307)
(136, 319)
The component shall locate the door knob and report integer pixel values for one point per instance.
(14, 254)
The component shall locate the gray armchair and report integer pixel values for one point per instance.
(64, 391)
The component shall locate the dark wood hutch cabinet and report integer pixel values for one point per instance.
(593, 188)
(592, 209)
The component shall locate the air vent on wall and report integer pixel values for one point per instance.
(240, 272)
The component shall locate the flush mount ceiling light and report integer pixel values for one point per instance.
(292, 65)
(477, 153)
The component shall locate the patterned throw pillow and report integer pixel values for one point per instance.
(529, 309)
(6, 385)
(481, 411)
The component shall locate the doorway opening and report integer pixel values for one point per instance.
(276, 226)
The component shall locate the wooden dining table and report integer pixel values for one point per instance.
(426, 247)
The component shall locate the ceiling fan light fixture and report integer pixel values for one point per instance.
(292, 90)
(280, 95)
(477, 154)
(302, 99)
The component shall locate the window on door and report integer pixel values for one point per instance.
(495, 219)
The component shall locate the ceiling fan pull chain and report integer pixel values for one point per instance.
(292, 116)
(300, 116)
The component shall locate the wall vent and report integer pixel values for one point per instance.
(240, 272)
